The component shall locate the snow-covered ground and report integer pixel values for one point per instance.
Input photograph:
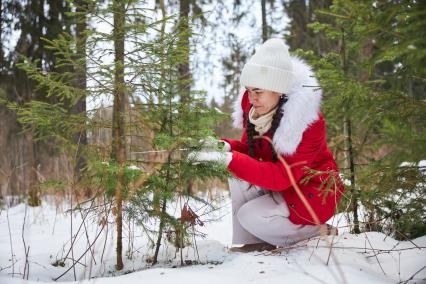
(364, 258)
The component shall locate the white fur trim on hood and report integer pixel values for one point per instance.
(300, 111)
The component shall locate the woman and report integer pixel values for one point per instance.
(281, 101)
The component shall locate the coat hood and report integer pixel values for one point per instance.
(299, 112)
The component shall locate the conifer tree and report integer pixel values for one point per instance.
(118, 147)
(32, 21)
(370, 98)
(145, 84)
(81, 10)
(302, 13)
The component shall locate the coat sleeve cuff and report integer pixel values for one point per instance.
(235, 145)
(233, 163)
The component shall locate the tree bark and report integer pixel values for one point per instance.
(350, 155)
(160, 230)
(184, 35)
(183, 67)
(33, 193)
(118, 153)
(1, 38)
(264, 22)
(297, 12)
(80, 107)
(351, 166)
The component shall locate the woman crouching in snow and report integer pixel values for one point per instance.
(281, 101)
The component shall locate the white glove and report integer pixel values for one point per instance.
(220, 157)
(213, 144)
(226, 147)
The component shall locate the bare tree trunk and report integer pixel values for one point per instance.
(297, 12)
(183, 68)
(33, 193)
(1, 38)
(347, 126)
(351, 165)
(80, 106)
(163, 50)
(264, 22)
(161, 228)
(184, 35)
(119, 140)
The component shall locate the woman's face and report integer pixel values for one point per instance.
(262, 100)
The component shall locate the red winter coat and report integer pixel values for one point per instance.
(301, 140)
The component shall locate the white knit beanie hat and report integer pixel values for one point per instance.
(269, 68)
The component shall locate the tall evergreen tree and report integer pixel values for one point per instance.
(299, 35)
(82, 7)
(33, 20)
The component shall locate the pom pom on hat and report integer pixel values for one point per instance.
(269, 68)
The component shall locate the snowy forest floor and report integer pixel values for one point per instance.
(46, 231)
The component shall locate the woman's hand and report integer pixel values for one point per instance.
(213, 144)
(203, 156)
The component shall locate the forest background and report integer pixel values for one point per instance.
(101, 100)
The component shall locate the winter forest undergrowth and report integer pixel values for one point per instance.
(36, 245)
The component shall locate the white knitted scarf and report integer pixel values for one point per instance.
(263, 122)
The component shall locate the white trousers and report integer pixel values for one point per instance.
(257, 218)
